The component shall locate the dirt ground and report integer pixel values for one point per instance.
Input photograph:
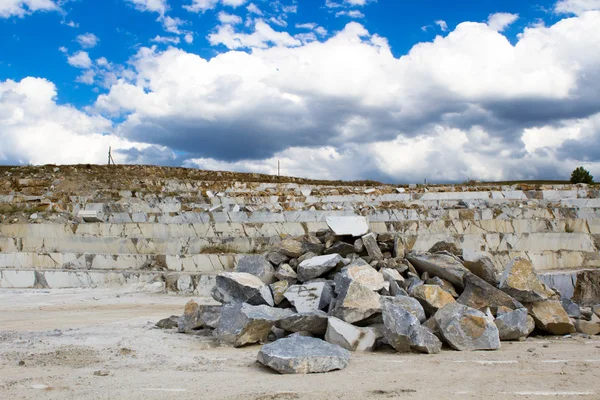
(53, 342)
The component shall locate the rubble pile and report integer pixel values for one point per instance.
(319, 297)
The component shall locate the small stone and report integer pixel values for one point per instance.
(432, 297)
(314, 322)
(447, 247)
(341, 248)
(359, 247)
(101, 373)
(317, 266)
(278, 289)
(572, 309)
(349, 336)
(277, 258)
(521, 282)
(197, 317)
(168, 323)
(513, 325)
(444, 284)
(370, 243)
(290, 247)
(258, 266)
(309, 297)
(303, 355)
(587, 327)
(351, 225)
(286, 273)
(466, 329)
(239, 287)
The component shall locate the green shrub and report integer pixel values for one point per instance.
(581, 175)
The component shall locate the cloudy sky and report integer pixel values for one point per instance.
(345, 89)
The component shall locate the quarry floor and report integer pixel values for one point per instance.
(52, 342)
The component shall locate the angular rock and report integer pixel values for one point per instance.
(587, 327)
(197, 317)
(444, 284)
(242, 324)
(258, 266)
(404, 333)
(587, 288)
(442, 265)
(521, 282)
(341, 248)
(351, 225)
(359, 246)
(278, 289)
(513, 325)
(408, 303)
(303, 355)
(466, 329)
(314, 322)
(412, 283)
(286, 273)
(355, 302)
(290, 247)
(432, 297)
(349, 336)
(370, 243)
(168, 323)
(241, 287)
(317, 266)
(479, 294)
(481, 265)
(277, 258)
(309, 297)
(550, 316)
(572, 309)
(447, 247)
(361, 273)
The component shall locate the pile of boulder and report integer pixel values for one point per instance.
(316, 298)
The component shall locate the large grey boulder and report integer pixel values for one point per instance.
(513, 325)
(355, 302)
(303, 355)
(403, 331)
(362, 273)
(521, 282)
(443, 265)
(314, 322)
(370, 243)
(479, 294)
(309, 297)
(480, 265)
(465, 328)
(243, 324)
(197, 317)
(350, 225)
(258, 266)
(241, 287)
(409, 304)
(550, 316)
(317, 266)
(350, 337)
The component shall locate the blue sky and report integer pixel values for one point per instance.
(335, 88)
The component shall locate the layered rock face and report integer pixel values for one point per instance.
(173, 229)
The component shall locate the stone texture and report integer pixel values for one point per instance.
(243, 324)
(370, 243)
(356, 302)
(241, 287)
(444, 284)
(442, 265)
(521, 282)
(587, 288)
(168, 323)
(303, 355)
(361, 273)
(349, 336)
(432, 297)
(290, 247)
(588, 327)
(403, 331)
(276, 258)
(550, 316)
(341, 248)
(351, 225)
(278, 289)
(314, 322)
(310, 296)
(466, 329)
(479, 294)
(513, 325)
(449, 247)
(408, 303)
(481, 266)
(197, 316)
(286, 273)
(258, 266)
(317, 266)
(571, 308)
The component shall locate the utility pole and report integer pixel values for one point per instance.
(278, 168)
(110, 159)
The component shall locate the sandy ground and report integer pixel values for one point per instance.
(52, 342)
